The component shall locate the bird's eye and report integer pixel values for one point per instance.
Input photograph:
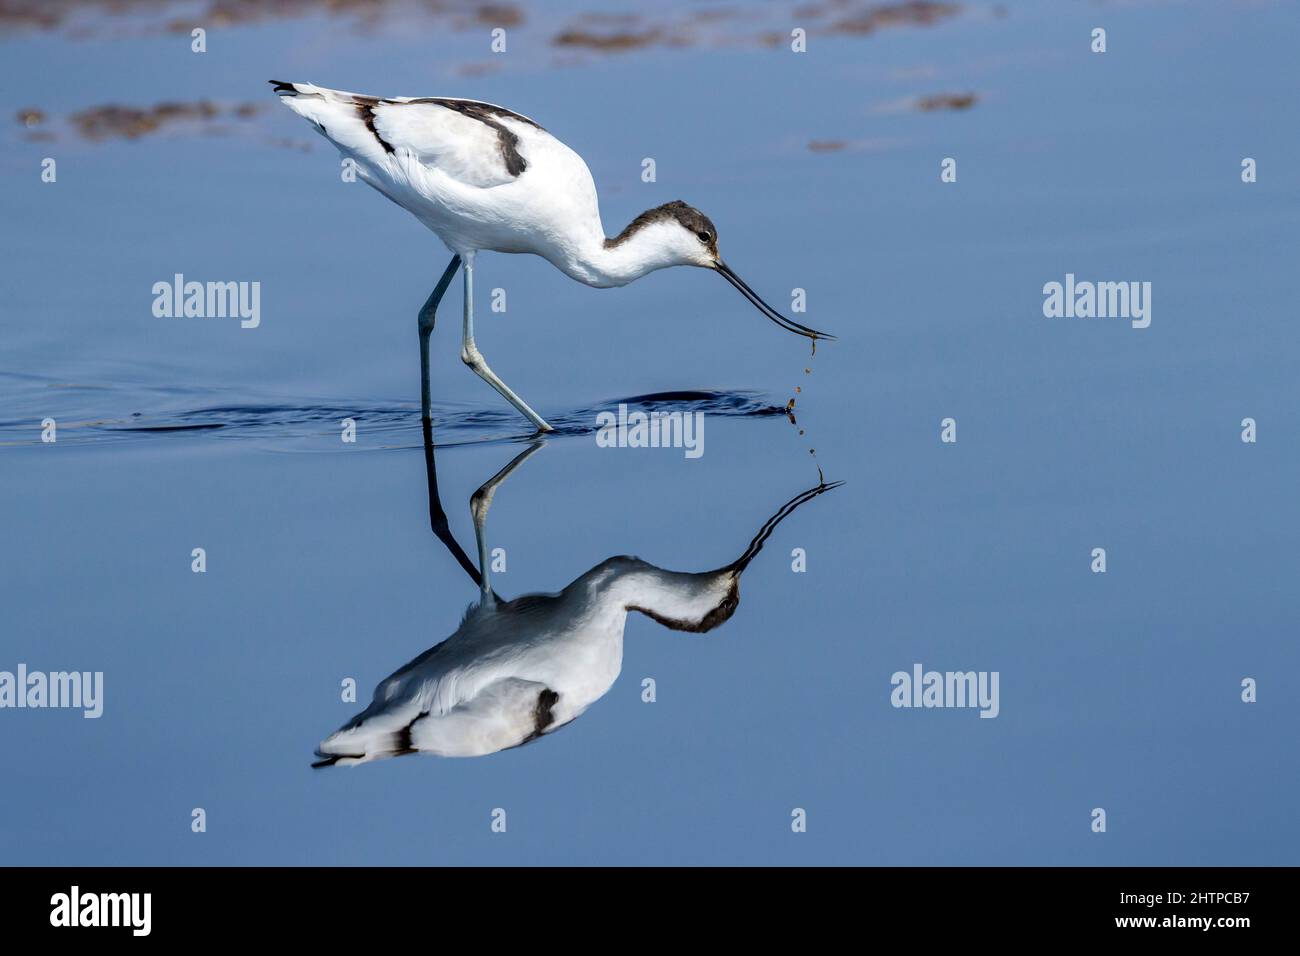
(704, 236)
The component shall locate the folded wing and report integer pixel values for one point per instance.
(474, 143)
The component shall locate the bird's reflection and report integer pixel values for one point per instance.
(516, 670)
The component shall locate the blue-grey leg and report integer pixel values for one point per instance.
(479, 503)
(470, 355)
(427, 315)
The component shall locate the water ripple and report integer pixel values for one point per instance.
(317, 426)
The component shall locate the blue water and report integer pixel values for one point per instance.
(1118, 690)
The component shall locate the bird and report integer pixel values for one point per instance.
(515, 671)
(484, 178)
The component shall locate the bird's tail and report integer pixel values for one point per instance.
(368, 736)
(306, 91)
(344, 118)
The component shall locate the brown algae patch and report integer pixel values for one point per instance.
(116, 121)
(946, 101)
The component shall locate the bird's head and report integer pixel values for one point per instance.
(684, 236)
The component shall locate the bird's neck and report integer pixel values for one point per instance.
(602, 262)
(682, 601)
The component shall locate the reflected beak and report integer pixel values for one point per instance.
(788, 324)
(735, 568)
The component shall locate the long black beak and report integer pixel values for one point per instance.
(788, 324)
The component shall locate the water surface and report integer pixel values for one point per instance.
(1118, 690)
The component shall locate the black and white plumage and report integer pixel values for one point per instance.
(517, 670)
(485, 178)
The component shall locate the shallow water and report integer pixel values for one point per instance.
(320, 426)
(1118, 690)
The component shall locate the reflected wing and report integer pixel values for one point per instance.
(506, 713)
